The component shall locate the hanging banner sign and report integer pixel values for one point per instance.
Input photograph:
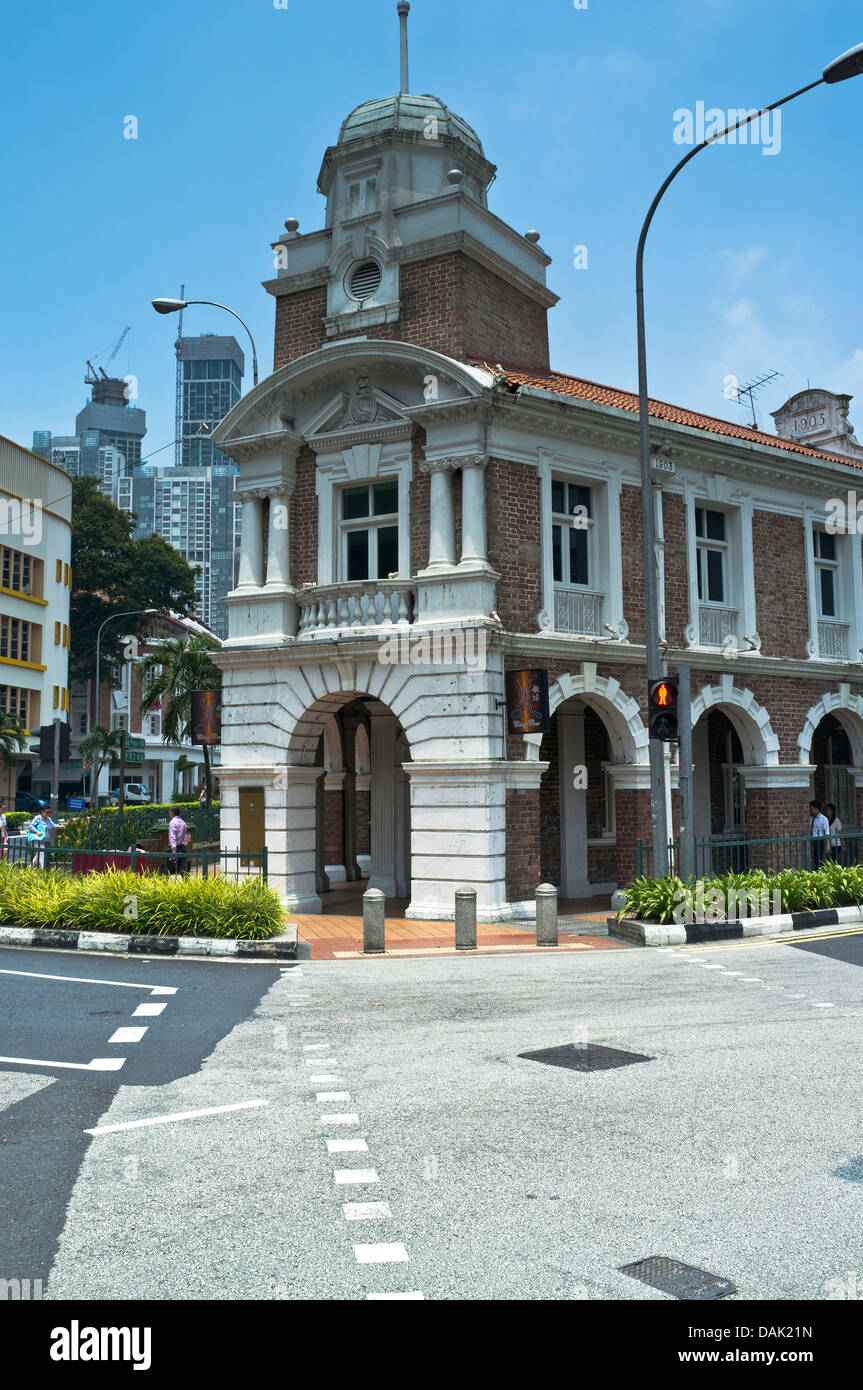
(207, 717)
(527, 702)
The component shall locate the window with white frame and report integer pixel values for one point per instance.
(826, 574)
(571, 538)
(369, 531)
(711, 555)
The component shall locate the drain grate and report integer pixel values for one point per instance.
(590, 1057)
(852, 1171)
(678, 1279)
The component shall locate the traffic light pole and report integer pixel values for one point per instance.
(686, 858)
(121, 797)
(55, 771)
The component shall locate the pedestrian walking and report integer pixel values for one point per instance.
(178, 840)
(819, 829)
(4, 833)
(835, 824)
(37, 837)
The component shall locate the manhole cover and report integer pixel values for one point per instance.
(678, 1279)
(590, 1057)
(852, 1171)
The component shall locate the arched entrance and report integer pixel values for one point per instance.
(718, 790)
(348, 800)
(833, 779)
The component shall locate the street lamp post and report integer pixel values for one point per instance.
(173, 306)
(849, 64)
(133, 613)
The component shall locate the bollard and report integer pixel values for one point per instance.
(374, 910)
(546, 915)
(465, 919)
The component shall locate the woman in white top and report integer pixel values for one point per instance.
(835, 824)
(4, 833)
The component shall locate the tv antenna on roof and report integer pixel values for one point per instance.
(745, 395)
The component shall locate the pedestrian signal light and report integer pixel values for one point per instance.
(662, 710)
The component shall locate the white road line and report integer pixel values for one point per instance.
(315, 1047)
(710, 967)
(752, 980)
(393, 1253)
(379, 1297)
(324, 1080)
(320, 1061)
(824, 1006)
(172, 1119)
(82, 980)
(324, 1097)
(149, 1010)
(346, 1146)
(339, 1120)
(97, 1064)
(366, 1211)
(356, 1175)
(127, 1035)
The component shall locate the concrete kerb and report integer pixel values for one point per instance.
(687, 934)
(281, 947)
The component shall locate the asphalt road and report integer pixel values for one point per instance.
(406, 1148)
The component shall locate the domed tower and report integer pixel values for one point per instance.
(409, 249)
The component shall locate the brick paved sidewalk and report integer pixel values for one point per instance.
(338, 934)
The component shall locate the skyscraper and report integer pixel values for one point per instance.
(211, 373)
(107, 421)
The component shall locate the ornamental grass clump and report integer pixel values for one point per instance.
(139, 904)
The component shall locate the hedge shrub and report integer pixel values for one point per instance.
(831, 885)
(141, 904)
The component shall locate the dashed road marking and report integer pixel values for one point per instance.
(323, 1080)
(344, 1146)
(330, 1097)
(367, 1211)
(392, 1253)
(358, 1176)
(339, 1120)
(127, 1035)
(379, 1297)
(149, 1010)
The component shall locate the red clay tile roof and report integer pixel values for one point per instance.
(565, 385)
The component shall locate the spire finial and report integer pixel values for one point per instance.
(404, 10)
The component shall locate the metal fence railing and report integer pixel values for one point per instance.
(720, 854)
(207, 862)
(120, 829)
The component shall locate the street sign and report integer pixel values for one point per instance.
(135, 755)
(133, 741)
(75, 803)
(73, 765)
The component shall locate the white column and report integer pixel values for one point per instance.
(383, 803)
(441, 515)
(279, 539)
(573, 807)
(473, 524)
(251, 575)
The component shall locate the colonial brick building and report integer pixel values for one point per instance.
(415, 469)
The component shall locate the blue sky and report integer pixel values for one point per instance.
(753, 261)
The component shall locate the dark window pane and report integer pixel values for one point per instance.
(699, 566)
(715, 583)
(826, 545)
(579, 497)
(557, 503)
(358, 555)
(386, 498)
(828, 596)
(699, 521)
(355, 502)
(388, 550)
(716, 526)
(557, 554)
(578, 569)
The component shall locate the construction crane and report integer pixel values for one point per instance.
(91, 379)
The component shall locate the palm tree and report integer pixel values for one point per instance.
(98, 749)
(172, 670)
(12, 738)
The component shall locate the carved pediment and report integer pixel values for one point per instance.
(365, 407)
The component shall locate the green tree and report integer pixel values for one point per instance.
(12, 738)
(169, 673)
(97, 749)
(112, 573)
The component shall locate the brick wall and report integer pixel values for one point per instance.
(419, 505)
(334, 852)
(631, 561)
(779, 560)
(363, 820)
(676, 569)
(304, 521)
(450, 304)
(513, 506)
(523, 844)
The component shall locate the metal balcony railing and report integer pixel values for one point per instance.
(832, 639)
(715, 624)
(578, 611)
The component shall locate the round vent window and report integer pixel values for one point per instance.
(364, 280)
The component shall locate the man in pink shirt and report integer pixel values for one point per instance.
(178, 837)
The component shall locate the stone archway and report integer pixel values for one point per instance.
(619, 712)
(847, 709)
(750, 720)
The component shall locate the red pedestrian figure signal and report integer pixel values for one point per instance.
(662, 710)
